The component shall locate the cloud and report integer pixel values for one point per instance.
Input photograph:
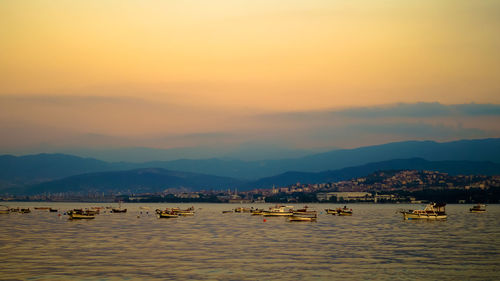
(473, 109)
(119, 122)
(420, 110)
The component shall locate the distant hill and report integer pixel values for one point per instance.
(132, 181)
(464, 150)
(450, 167)
(30, 169)
(155, 179)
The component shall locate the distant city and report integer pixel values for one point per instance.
(396, 186)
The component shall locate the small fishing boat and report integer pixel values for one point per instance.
(119, 209)
(227, 211)
(42, 208)
(25, 211)
(242, 210)
(257, 212)
(92, 212)
(479, 208)
(296, 218)
(53, 210)
(340, 211)
(331, 211)
(166, 214)
(305, 211)
(344, 211)
(278, 211)
(186, 212)
(80, 215)
(433, 211)
(4, 209)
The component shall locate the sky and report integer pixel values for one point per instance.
(224, 74)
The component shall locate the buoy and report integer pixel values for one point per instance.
(59, 215)
(264, 220)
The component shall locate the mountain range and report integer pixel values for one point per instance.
(150, 180)
(56, 171)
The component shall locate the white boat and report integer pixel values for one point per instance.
(478, 208)
(299, 218)
(432, 211)
(278, 211)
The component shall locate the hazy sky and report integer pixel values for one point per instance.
(301, 74)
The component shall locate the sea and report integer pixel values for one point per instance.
(373, 244)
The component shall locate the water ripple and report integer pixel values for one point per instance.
(375, 243)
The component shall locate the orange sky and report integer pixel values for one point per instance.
(201, 65)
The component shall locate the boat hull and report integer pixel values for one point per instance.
(81, 217)
(311, 213)
(410, 216)
(301, 219)
(277, 214)
(167, 216)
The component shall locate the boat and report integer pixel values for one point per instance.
(331, 211)
(25, 211)
(478, 208)
(305, 211)
(119, 209)
(185, 213)
(344, 211)
(278, 211)
(167, 213)
(80, 215)
(53, 210)
(433, 211)
(227, 211)
(242, 210)
(42, 208)
(4, 209)
(257, 212)
(340, 211)
(298, 218)
(93, 212)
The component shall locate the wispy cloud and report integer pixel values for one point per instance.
(104, 122)
(421, 110)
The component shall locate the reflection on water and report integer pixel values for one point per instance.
(375, 244)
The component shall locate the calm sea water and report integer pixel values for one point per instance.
(374, 244)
